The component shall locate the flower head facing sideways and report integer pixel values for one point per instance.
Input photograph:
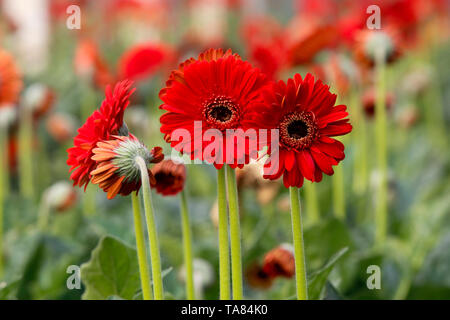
(304, 112)
(101, 125)
(216, 89)
(116, 170)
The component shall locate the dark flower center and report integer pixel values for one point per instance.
(298, 130)
(221, 113)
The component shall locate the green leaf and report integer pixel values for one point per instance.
(331, 293)
(8, 291)
(112, 271)
(318, 279)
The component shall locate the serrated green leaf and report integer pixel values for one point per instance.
(318, 279)
(112, 271)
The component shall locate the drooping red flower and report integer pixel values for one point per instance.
(216, 90)
(169, 177)
(304, 112)
(101, 125)
(143, 60)
(115, 171)
(279, 262)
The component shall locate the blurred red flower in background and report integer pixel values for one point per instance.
(279, 262)
(143, 60)
(10, 79)
(169, 177)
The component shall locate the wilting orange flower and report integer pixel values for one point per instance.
(116, 171)
(279, 262)
(10, 79)
(169, 177)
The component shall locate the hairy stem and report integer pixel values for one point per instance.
(224, 250)
(187, 247)
(158, 289)
(235, 235)
(144, 269)
(26, 154)
(381, 148)
(297, 233)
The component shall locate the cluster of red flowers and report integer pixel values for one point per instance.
(224, 92)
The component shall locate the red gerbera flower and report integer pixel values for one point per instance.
(217, 89)
(305, 114)
(101, 125)
(169, 177)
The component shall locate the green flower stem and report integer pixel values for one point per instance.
(381, 149)
(26, 154)
(3, 188)
(158, 289)
(187, 247)
(297, 232)
(43, 213)
(4, 164)
(235, 235)
(360, 136)
(224, 250)
(144, 269)
(338, 192)
(312, 203)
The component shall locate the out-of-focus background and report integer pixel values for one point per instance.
(57, 56)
